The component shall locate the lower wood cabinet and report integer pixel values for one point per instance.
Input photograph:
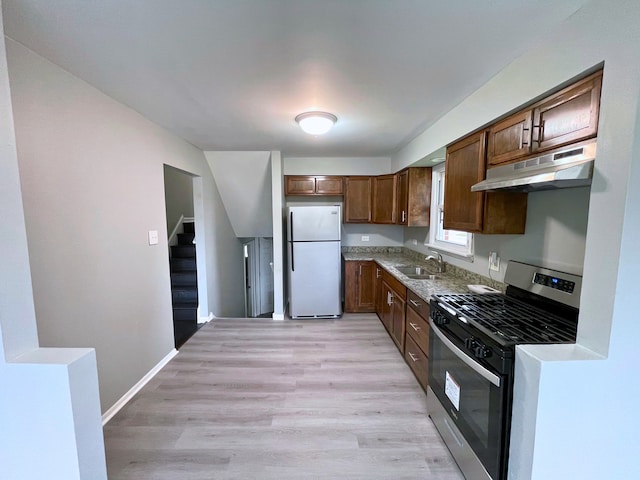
(416, 350)
(391, 307)
(417, 361)
(360, 286)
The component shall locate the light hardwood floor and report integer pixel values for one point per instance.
(261, 399)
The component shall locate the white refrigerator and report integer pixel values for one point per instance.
(313, 250)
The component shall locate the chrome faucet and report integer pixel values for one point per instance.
(438, 259)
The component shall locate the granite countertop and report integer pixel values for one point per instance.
(444, 283)
(449, 282)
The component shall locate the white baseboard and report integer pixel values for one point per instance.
(109, 414)
(206, 319)
(278, 316)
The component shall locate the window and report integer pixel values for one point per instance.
(452, 241)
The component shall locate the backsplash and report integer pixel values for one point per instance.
(471, 278)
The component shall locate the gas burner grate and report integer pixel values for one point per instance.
(509, 320)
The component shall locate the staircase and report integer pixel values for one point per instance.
(184, 286)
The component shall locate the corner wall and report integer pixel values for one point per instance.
(92, 183)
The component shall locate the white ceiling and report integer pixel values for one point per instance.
(232, 74)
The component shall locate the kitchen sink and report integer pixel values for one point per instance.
(416, 273)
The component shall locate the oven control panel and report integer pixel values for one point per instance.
(556, 283)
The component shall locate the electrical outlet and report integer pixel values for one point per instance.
(365, 238)
(494, 261)
(414, 241)
(153, 237)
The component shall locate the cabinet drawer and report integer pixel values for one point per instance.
(418, 328)
(418, 304)
(417, 360)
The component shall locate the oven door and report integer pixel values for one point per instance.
(473, 397)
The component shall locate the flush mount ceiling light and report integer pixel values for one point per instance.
(316, 123)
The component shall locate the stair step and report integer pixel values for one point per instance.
(184, 296)
(189, 227)
(183, 331)
(183, 251)
(183, 264)
(186, 238)
(184, 279)
(185, 314)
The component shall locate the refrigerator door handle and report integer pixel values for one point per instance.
(293, 265)
(291, 226)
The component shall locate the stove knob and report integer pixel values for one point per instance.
(470, 343)
(439, 318)
(481, 351)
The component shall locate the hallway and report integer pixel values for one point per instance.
(262, 399)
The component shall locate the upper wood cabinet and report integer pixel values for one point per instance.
(357, 200)
(464, 167)
(568, 116)
(478, 212)
(509, 139)
(313, 185)
(384, 199)
(413, 193)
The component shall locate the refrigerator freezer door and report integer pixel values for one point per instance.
(314, 279)
(313, 223)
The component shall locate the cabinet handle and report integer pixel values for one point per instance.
(525, 130)
(404, 216)
(389, 298)
(360, 269)
(540, 131)
(414, 326)
(414, 303)
(413, 357)
(377, 273)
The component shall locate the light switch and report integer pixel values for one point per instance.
(153, 237)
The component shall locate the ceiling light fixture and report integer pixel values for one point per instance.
(316, 123)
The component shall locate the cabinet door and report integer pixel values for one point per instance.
(509, 139)
(329, 185)
(402, 214)
(569, 116)
(397, 319)
(360, 287)
(419, 197)
(350, 287)
(366, 287)
(465, 166)
(357, 201)
(300, 185)
(380, 295)
(384, 199)
(386, 303)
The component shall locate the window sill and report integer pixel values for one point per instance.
(469, 257)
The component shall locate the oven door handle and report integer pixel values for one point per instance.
(479, 369)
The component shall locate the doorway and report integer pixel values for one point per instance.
(258, 277)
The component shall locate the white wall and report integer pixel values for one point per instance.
(92, 183)
(555, 236)
(277, 215)
(178, 194)
(244, 181)
(337, 165)
(49, 406)
(585, 416)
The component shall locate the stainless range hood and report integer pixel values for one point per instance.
(570, 167)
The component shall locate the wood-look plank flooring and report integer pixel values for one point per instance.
(262, 399)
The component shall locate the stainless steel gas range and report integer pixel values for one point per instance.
(471, 359)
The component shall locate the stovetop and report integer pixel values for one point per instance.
(509, 321)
